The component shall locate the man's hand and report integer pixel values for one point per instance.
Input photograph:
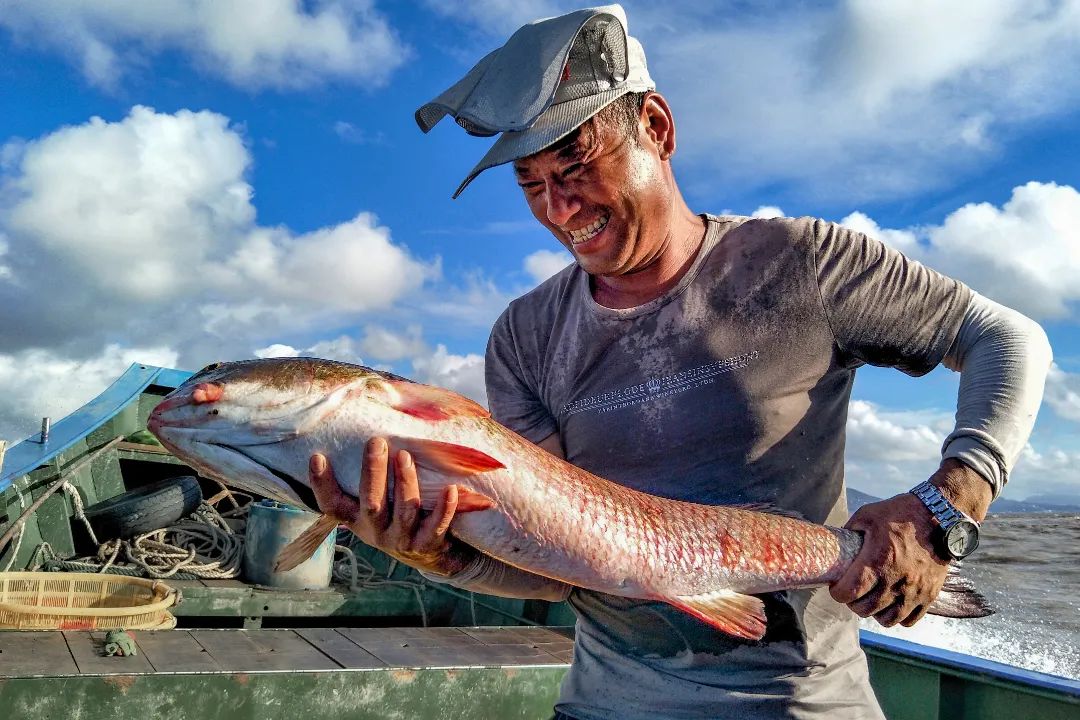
(399, 529)
(898, 574)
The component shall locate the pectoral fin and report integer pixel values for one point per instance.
(447, 458)
(305, 545)
(731, 612)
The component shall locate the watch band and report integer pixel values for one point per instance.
(939, 506)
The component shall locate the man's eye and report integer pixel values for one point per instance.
(530, 186)
(572, 169)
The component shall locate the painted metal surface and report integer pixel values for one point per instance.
(26, 456)
(917, 682)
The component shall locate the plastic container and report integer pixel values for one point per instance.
(270, 527)
(84, 601)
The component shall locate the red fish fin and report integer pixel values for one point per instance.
(432, 403)
(471, 501)
(734, 613)
(447, 458)
(305, 545)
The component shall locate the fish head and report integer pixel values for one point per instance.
(234, 421)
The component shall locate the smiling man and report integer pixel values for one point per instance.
(708, 359)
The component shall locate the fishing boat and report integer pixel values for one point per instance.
(376, 642)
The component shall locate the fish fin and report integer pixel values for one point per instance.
(305, 545)
(447, 458)
(472, 501)
(469, 500)
(958, 598)
(432, 403)
(734, 613)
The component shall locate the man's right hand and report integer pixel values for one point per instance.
(400, 529)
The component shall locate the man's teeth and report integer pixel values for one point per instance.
(589, 231)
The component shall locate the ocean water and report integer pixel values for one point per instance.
(1028, 566)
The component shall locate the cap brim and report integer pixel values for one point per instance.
(555, 123)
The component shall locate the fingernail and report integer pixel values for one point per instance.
(378, 446)
(317, 464)
(406, 459)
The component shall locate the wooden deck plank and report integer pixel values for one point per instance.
(419, 647)
(340, 648)
(414, 637)
(28, 654)
(251, 650)
(88, 649)
(175, 651)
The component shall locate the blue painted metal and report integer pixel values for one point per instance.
(28, 455)
(970, 664)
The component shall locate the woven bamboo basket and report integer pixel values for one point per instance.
(84, 601)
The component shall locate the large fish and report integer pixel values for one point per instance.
(254, 425)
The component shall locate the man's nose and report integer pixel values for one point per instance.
(561, 204)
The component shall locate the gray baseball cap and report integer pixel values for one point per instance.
(550, 77)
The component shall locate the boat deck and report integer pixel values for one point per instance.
(334, 672)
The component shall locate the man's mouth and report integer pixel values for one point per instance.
(589, 231)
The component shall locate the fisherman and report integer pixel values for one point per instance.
(709, 359)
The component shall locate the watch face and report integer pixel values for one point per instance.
(962, 538)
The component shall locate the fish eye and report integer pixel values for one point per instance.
(214, 412)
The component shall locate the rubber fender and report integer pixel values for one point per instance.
(146, 508)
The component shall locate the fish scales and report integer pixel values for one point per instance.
(254, 424)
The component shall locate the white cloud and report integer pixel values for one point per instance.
(356, 135)
(461, 373)
(877, 434)
(767, 211)
(386, 345)
(542, 264)
(1025, 254)
(147, 224)
(251, 43)
(342, 348)
(43, 383)
(1063, 393)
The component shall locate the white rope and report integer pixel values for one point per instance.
(18, 543)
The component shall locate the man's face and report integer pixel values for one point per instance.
(604, 196)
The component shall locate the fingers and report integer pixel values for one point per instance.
(372, 491)
(406, 501)
(331, 500)
(434, 527)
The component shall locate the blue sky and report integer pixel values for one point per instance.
(190, 181)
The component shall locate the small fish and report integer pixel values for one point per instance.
(254, 424)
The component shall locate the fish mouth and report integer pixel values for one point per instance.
(302, 491)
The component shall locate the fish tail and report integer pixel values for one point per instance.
(306, 544)
(959, 598)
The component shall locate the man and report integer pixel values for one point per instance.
(707, 359)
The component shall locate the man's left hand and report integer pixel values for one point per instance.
(898, 574)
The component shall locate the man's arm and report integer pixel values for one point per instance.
(1003, 359)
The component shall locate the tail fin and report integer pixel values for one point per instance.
(306, 544)
(959, 598)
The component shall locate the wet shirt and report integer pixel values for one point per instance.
(731, 388)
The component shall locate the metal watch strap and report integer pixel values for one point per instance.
(943, 510)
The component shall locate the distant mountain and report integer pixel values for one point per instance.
(1039, 503)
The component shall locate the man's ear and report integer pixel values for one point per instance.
(658, 125)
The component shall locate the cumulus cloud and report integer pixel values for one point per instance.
(461, 373)
(147, 223)
(542, 264)
(767, 211)
(251, 43)
(142, 233)
(1063, 393)
(385, 345)
(42, 383)
(875, 433)
(1024, 254)
(342, 348)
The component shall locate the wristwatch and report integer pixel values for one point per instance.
(957, 535)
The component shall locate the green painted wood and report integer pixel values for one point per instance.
(448, 694)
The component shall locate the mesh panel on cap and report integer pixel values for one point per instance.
(597, 60)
